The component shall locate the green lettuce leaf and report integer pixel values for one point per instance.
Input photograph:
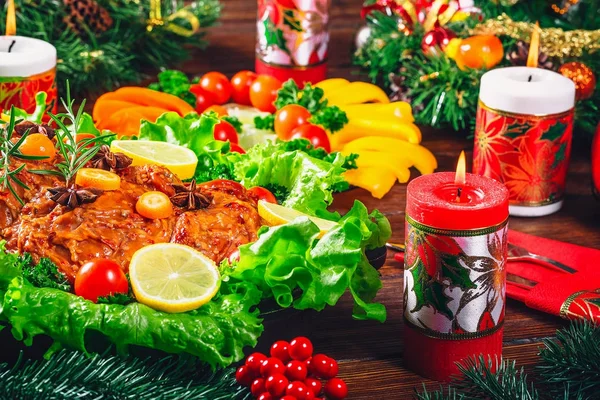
(288, 258)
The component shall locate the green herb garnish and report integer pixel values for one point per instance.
(267, 122)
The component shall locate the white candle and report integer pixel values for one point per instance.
(22, 56)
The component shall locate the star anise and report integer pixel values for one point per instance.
(188, 197)
(44, 129)
(107, 160)
(72, 197)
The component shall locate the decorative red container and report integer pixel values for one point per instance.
(454, 272)
(292, 39)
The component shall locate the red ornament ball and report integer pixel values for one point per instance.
(582, 76)
(435, 40)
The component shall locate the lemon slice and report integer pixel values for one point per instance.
(274, 214)
(173, 277)
(178, 159)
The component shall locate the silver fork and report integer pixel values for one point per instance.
(517, 253)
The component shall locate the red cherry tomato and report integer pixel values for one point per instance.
(315, 134)
(224, 131)
(296, 370)
(257, 387)
(236, 148)
(265, 396)
(314, 385)
(300, 391)
(276, 384)
(260, 193)
(225, 185)
(301, 348)
(219, 110)
(240, 85)
(244, 376)
(280, 348)
(100, 278)
(254, 362)
(289, 118)
(263, 92)
(203, 98)
(319, 365)
(272, 366)
(336, 389)
(218, 85)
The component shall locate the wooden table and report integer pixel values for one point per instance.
(370, 353)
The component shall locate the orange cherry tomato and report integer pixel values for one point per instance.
(97, 178)
(289, 118)
(263, 92)
(220, 110)
(38, 144)
(217, 85)
(240, 85)
(154, 205)
(315, 134)
(480, 51)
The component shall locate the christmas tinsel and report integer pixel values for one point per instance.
(443, 95)
(103, 43)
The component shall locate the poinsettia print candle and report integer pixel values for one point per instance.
(523, 136)
(454, 275)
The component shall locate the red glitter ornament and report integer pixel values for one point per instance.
(582, 76)
(435, 41)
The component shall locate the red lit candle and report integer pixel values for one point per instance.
(454, 276)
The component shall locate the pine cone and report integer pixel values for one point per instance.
(519, 56)
(86, 13)
(400, 92)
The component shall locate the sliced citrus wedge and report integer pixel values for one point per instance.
(98, 179)
(274, 214)
(173, 277)
(178, 159)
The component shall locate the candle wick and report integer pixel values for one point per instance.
(11, 45)
(458, 194)
(530, 78)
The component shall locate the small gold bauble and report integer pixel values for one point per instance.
(582, 76)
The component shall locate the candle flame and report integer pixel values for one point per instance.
(461, 170)
(534, 47)
(11, 20)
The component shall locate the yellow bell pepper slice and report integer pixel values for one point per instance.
(398, 110)
(357, 93)
(372, 159)
(376, 180)
(358, 128)
(330, 85)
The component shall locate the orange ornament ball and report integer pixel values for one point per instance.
(476, 52)
(582, 76)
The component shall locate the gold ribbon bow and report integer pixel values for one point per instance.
(156, 19)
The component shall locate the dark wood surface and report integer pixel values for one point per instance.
(370, 353)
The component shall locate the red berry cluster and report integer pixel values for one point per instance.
(292, 373)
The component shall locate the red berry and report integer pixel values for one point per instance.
(265, 396)
(257, 387)
(296, 370)
(301, 348)
(332, 369)
(244, 376)
(336, 389)
(280, 349)
(286, 397)
(314, 385)
(276, 384)
(309, 367)
(300, 391)
(271, 366)
(320, 365)
(254, 362)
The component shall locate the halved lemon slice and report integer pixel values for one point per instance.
(178, 159)
(274, 214)
(173, 277)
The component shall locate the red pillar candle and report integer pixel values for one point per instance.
(454, 276)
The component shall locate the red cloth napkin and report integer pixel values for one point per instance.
(569, 295)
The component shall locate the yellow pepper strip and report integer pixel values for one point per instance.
(398, 110)
(376, 180)
(418, 155)
(329, 85)
(372, 159)
(357, 93)
(359, 128)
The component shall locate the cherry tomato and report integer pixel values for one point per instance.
(276, 384)
(319, 365)
(301, 348)
(289, 118)
(300, 391)
(225, 131)
(257, 387)
(100, 278)
(336, 389)
(240, 85)
(280, 348)
(272, 366)
(263, 92)
(38, 144)
(315, 134)
(254, 362)
(217, 85)
(314, 385)
(244, 376)
(203, 98)
(236, 148)
(260, 193)
(296, 370)
(219, 110)
(265, 396)
(225, 185)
